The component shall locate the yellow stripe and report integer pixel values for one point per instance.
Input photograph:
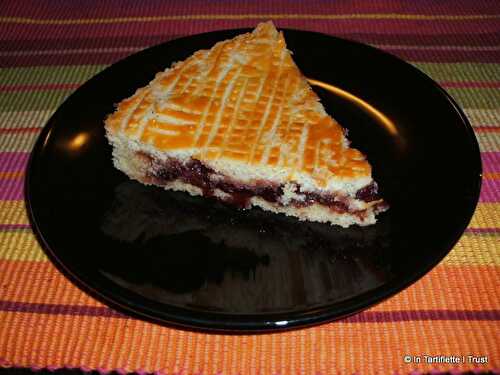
(13, 212)
(20, 246)
(486, 216)
(374, 16)
(474, 250)
(482, 250)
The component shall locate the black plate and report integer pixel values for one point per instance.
(195, 263)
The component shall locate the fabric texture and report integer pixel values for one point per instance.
(49, 48)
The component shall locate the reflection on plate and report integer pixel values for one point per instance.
(238, 260)
(196, 263)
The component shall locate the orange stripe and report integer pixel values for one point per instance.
(492, 175)
(441, 289)
(327, 349)
(12, 175)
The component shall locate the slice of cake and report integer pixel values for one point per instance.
(240, 123)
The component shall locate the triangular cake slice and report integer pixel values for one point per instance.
(240, 123)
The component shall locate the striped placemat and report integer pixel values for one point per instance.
(49, 48)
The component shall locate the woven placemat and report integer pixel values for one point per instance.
(48, 49)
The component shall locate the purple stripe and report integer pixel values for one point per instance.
(13, 161)
(482, 230)
(14, 226)
(58, 309)
(364, 317)
(409, 315)
(491, 161)
(127, 8)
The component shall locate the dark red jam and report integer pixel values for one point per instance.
(196, 173)
(369, 193)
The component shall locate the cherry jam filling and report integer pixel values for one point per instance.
(196, 173)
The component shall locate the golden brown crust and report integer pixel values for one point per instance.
(243, 100)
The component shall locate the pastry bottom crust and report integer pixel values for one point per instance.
(312, 212)
(195, 178)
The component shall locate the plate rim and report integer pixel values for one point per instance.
(303, 318)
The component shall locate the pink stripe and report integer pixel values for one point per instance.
(55, 86)
(114, 8)
(490, 191)
(471, 84)
(337, 27)
(13, 161)
(12, 190)
(491, 161)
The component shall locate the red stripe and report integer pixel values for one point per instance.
(173, 27)
(115, 8)
(20, 130)
(487, 129)
(53, 86)
(363, 317)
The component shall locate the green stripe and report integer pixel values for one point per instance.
(481, 98)
(48, 74)
(461, 72)
(81, 73)
(32, 100)
(470, 98)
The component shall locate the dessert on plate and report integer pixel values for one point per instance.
(239, 122)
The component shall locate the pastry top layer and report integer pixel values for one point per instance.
(246, 101)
